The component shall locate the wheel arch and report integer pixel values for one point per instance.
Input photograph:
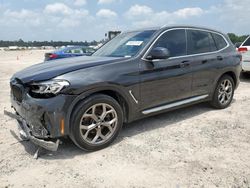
(113, 92)
(119, 98)
(214, 97)
(231, 74)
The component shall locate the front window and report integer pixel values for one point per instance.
(174, 41)
(126, 44)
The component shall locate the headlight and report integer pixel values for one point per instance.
(49, 87)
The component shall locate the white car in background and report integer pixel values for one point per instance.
(245, 50)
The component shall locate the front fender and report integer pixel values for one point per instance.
(123, 92)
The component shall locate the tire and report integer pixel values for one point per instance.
(223, 91)
(99, 127)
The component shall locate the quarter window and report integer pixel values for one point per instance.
(174, 41)
(220, 41)
(200, 42)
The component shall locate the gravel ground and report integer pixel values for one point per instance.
(191, 147)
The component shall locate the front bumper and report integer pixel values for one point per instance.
(44, 117)
(27, 135)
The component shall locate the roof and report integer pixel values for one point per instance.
(190, 26)
(175, 26)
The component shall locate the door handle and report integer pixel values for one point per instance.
(184, 64)
(219, 58)
(204, 61)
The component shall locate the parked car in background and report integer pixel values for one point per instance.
(244, 48)
(135, 75)
(246, 62)
(69, 52)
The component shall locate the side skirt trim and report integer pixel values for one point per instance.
(175, 104)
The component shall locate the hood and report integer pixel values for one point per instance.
(51, 69)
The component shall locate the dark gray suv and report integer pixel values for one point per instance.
(137, 74)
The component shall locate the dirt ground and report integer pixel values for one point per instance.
(192, 147)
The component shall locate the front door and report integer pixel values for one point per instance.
(166, 80)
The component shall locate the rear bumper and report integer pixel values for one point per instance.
(26, 133)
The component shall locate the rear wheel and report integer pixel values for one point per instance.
(224, 92)
(96, 122)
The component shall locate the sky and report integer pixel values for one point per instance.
(81, 20)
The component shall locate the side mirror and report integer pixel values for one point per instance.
(158, 53)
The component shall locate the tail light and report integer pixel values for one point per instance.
(53, 56)
(242, 49)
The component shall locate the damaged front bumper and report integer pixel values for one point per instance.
(25, 132)
(45, 117)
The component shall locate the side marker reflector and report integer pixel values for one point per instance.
(62, 126)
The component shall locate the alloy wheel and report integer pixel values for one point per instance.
(225, 92)
(98, 123)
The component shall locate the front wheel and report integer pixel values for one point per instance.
(96, 122)
(224, 92)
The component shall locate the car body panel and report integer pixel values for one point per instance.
(141, 83)
(44, 113)
(46, 71)
(164, 81)
(207, 70)
(120, 77)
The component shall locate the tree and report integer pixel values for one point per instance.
(234, 38)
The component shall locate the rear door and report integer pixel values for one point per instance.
(205, 59)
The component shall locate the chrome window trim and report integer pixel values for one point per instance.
(191, 55)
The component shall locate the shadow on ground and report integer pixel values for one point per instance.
(245, 77)
(68, 150)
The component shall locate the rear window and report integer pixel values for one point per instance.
(200, 42)
(74, 51)
(77, 51)
(247, 42)
(219, 41)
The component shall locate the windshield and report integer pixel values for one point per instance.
(125, 45)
